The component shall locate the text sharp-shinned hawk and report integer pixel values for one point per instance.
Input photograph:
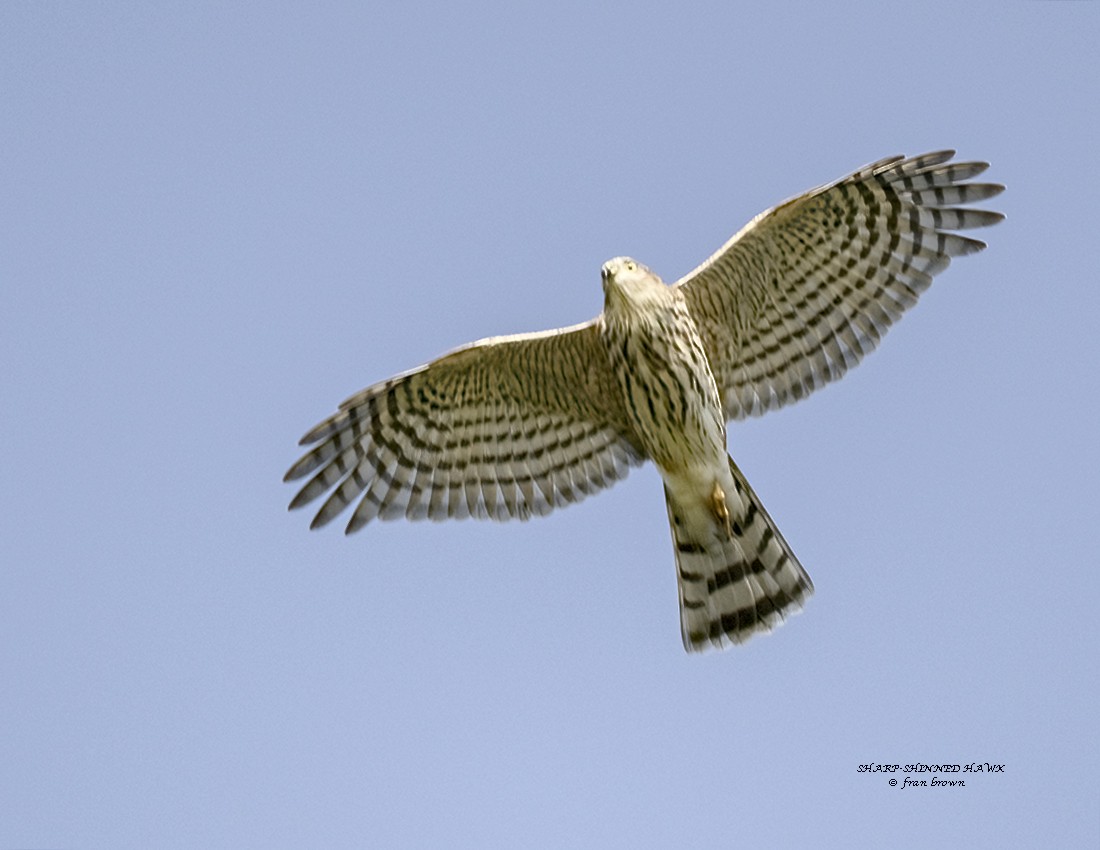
(515, 426)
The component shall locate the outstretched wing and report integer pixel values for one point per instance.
(809, 287)
(504, 427)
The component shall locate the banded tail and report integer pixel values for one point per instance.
(736, 578)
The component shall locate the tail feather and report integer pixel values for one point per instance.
(737, 581)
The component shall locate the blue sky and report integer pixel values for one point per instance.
(217, 221)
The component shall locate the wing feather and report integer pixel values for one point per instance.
(808, 288)
(504, 427)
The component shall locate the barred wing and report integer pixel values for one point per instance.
(504, 427)
(807, 288)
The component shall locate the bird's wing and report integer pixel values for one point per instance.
(807, 288)
(504, 427)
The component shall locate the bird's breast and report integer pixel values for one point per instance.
(667, 386)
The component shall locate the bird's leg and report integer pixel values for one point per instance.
(718, 505)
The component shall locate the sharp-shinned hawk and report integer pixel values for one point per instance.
(514, 426)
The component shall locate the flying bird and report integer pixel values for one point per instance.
(515, 426)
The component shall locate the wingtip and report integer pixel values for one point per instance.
(353, 526)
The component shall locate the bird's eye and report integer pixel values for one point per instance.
(630, 266)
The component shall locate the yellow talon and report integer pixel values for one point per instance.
(718, 505)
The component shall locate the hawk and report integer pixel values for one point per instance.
(515, 426)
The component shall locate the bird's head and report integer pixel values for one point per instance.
(627, 282)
